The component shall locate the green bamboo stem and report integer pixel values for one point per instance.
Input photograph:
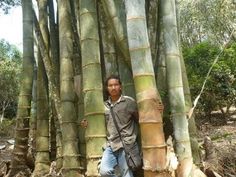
(160, 71)
(188, 104)
(53, 85)
(108, 44)
(153, 28)
(69, 124)
(126, 77)
(42, 161)
(148, 99)
(192, 125)
(54, 42)
(81, 133)
(48, 67)
(33, 119)
(19, 154)
(115, 12)
(92, 85)
(175, 89)
(56, 146)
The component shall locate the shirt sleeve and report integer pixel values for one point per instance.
(133, 109)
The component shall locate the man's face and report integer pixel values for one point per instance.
(114, 88)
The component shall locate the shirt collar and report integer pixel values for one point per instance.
(118, 101)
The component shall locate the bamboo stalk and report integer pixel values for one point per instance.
(175, 89)
(18, 162)
(114, 10)
(148, 99)
(70, 151)
(92, 85)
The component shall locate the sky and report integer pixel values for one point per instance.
(11, 27)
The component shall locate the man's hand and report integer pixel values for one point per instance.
(84, 123)
(160, 107)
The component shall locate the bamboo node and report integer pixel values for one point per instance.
(21, 118)
(71, 155)
(172, 54)
(143, 74)
(182, 141)
(25, 95)
(146, 95)
(65, 122)
(93, 113)
(177, 86)
(87, 12)
(89, 38)
(136, 18)
(24, 107)
(70, 140)
(93, 156)
(91, 63)
(177, 114)
(22, 130)
(92, 89)
(139, 48)
(95, 136)
(150, 122)
(154, 147)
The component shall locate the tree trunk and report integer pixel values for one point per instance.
(81, 133)
(188, 104)
(70, 150)
(48, 67)
(126, 76)
(42, 161)
(92, 85)
(33, 119)
(175, 89)
(55, 132)
(108, 45)
(192, 125)
(153, 28)
(19, 156)
(148, 99)
(54, 41)
(54, 89)
(115, 12)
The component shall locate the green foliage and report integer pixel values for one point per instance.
(9, 52)
(213, 20)
(220, 89)
(7, 128)
(10, 64)
(5, 5)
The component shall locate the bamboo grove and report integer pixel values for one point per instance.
(69, 48)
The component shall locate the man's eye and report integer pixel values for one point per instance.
(115, 85)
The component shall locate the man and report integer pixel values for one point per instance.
(126, 115)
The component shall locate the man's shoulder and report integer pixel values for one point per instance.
(129, 98)
(106, 103)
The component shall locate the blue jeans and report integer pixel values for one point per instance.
(112, 159)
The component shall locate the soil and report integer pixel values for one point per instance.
(5, 155)
(223, 140)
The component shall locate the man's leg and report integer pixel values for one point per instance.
(108, 163)
(124, 168)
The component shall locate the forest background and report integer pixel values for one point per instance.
(207, 33)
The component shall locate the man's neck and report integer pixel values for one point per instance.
(115, 99)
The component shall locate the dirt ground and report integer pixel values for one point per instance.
(223, 149)
(223, 139)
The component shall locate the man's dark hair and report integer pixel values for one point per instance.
(113, 77)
